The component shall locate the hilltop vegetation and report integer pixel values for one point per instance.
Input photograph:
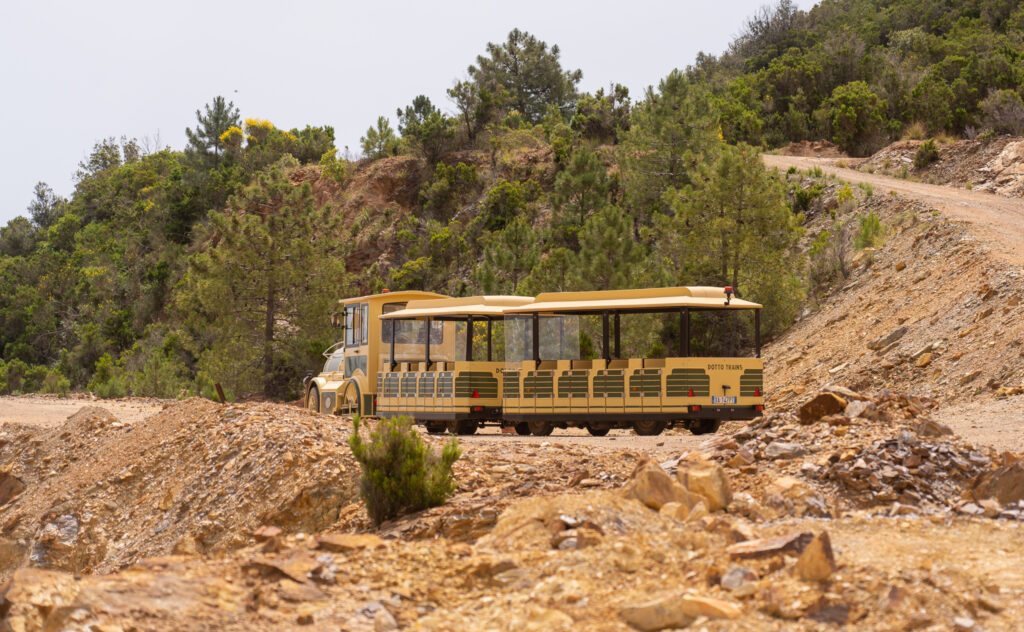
(167, 271)
(863, 72)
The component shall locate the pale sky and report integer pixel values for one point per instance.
(74, 72)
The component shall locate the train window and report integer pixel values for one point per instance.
(357, 323)
(334, 362)
(385, 326)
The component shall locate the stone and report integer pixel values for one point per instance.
(932, 428)
(990, 507)
(742, 458)
(384, 621)
(266, 532)
(963, 624)
(846, 393)
(817, 562)
(821, 405)
(885, 341)
(783, 450)
(709, 607)
(707, 481)
(969, 377)
(654, 487)
(736, 577)
(10, 487)
(345, 542)
(791, 543)
(861, 408)
(1005, 484)
(657, 614)
(699, 511)
(923, 361)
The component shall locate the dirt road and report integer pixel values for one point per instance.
(997, 220)
(49, 411)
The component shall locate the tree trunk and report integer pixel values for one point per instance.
(268, 338)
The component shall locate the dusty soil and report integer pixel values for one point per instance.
(997, 220)
(48, 410)
(997, 423)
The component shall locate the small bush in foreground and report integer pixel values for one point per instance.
(400, 473)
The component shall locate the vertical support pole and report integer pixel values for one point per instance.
(488, 339)
(427, 350)
(681, 347)
(469, 339)
(536, 339)
(757, 332)
(618, 338)
(605, 349)
(686, 332)
(392, 363)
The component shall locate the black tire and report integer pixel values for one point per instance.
(464, 427)
(649, 428)
(597, 432)
(540, 428)
(436, 427)
(705, 426)
(313, 399)
(522, 428)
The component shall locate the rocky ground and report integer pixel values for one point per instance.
(852, 509)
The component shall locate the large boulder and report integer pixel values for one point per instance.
(706, 480)
(823, 404)
(1005, 484)
(652, 486)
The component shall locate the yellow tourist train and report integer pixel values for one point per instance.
(530, 363)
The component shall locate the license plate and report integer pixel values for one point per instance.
(723, 399)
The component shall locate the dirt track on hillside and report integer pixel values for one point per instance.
(48, 411)
(997, 220)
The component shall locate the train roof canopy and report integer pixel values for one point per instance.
(640, 300)
(392, 297)
(458, 308)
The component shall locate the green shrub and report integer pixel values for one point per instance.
(108, 379)
(867, 188)
(14, 376)
(926, 154)
(870, 232)
(802, 198)
(34, 377)
(55, 383)
(400, 473)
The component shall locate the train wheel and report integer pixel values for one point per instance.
(436, 427)
(464, 427)
(540, 428)
(350, 403)
(313, 399)
(597, 432)
(522, 428)
(705, 426)
(649, 428)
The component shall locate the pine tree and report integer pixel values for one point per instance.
(734, 227)
(510, 255)
(673, 131)
(220, 116)
(257, 299)
(580, 190)
(530, 72)
(426, 129)
(47, 207)
(609, 257)
(380, 141)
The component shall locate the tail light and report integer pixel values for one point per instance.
(478, 409)
(691, 393)
(757, 392)
(758, 408)
(476, 394)
(695, 409)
